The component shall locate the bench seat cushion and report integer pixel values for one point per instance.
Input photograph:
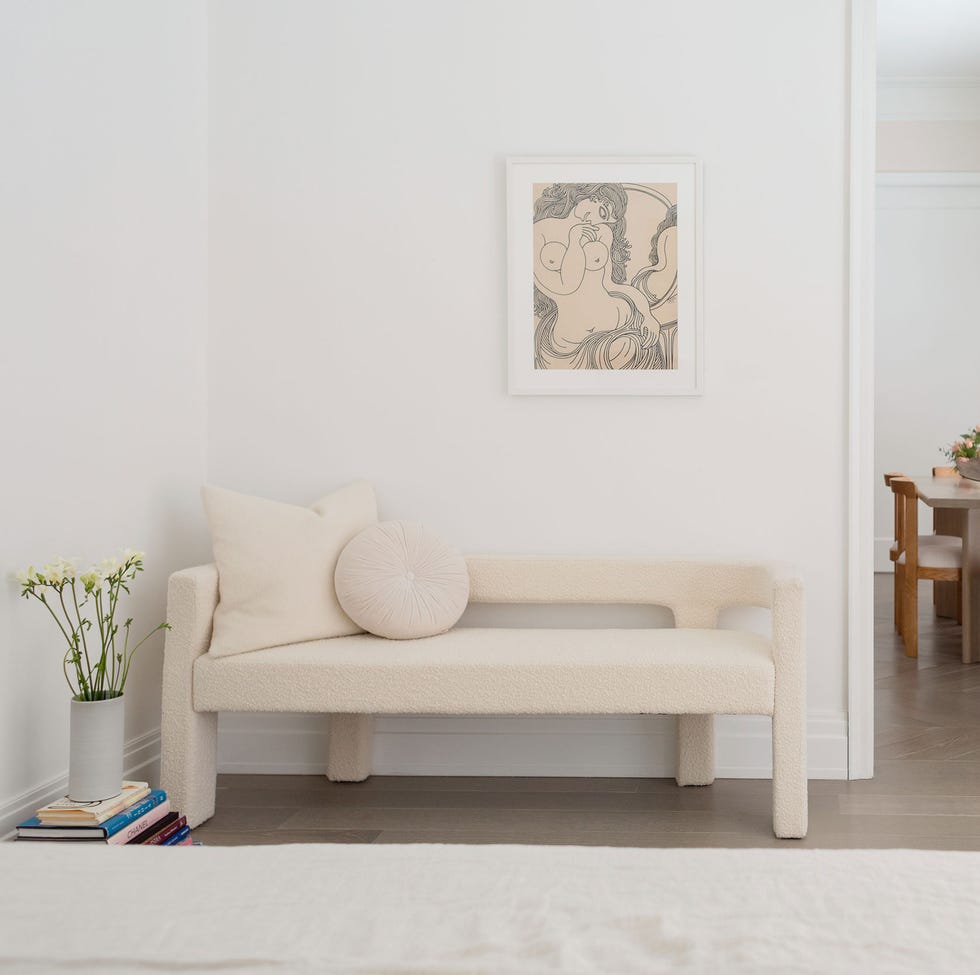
(500, 671)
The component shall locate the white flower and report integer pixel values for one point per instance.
(110, 565)
(24, 577)
(133, 555)
(90, 579)
(59, 571)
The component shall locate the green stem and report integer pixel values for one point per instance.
(86, 683)
(132, 652)
(112, 664)
(54, 615)
(64, 670)
(113, 603)
(81, 626)
(98, 619)
(69, 640)
(125, 651)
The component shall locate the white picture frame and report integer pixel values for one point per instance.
(662, 360)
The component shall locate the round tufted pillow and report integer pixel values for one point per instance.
(399, 581)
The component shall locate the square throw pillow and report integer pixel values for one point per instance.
(276, 566)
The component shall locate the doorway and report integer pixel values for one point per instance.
(927, 246)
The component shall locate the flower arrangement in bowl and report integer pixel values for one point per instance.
(965, 453)
(96, 662)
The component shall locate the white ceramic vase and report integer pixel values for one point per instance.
(95, 757)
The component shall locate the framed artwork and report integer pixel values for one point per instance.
(604, 268)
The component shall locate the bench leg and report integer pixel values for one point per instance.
(350, 746)
(695, 749)
(189, 762)
(789, 776)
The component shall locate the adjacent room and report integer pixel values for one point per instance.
(497, 483)
(927, 692)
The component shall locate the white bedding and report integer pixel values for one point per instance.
(492, 909)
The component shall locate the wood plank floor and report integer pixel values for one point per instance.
(925, 794)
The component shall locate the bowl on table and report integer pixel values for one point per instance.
(969, 467)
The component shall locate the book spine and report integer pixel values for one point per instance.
(184, 833)
(132, 830)
(157, 827)
(127, 816)
(166, 834)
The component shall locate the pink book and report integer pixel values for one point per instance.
(186, 841)
(141, 825)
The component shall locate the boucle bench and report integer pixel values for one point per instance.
(694, 670)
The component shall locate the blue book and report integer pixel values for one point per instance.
(134, 812)
(178, 837)
(34, 829)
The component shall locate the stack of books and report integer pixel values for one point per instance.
(138, 815)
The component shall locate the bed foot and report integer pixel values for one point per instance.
(695, 749)
(350, 747)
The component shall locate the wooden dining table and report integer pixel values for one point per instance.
(956, 510)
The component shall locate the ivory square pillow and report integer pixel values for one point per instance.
(276, 565)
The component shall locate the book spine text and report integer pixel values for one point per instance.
(127, 816)
(137, 826)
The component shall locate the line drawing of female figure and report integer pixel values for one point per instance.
(587, 315)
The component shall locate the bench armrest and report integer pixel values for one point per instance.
(188, 739)
(192, 597)
(788, 624)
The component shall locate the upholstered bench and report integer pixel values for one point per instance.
(693, 670)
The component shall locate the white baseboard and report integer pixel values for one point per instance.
(642, 746)
(141, 760)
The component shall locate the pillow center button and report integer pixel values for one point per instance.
(409, 576)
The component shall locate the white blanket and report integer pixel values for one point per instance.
(487, 909)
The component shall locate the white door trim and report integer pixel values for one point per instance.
(860, 313)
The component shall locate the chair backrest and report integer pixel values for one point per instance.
(945, 472)
(908, 531)
(899, 513)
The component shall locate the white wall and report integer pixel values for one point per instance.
(928, 306)
(358, 273)
(357, 304)
(102, 250)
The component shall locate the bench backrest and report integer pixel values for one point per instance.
(696, 592)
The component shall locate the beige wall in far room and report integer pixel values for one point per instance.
(929, 146)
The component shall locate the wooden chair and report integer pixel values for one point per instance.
(935, 557)
(948, 603)
(895, 551)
